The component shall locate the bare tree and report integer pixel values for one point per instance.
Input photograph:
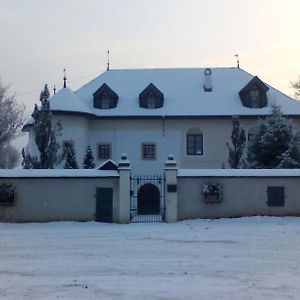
(9, 157)
(296, 86)
(11, 118)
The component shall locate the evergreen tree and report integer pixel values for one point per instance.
(88, 162)
(238, 140)
(71, 162)
(274, 143)
(45, 135)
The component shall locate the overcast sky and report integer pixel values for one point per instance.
(41, 38)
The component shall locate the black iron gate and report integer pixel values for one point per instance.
(147, 198)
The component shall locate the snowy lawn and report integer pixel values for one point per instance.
(248, 258)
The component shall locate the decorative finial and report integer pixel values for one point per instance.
(65, 79)
(237, 60)
(54, 90)
(108, 64)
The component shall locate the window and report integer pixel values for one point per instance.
(105, 98)
(151, 102)
(151, 97)
(254, 94)
(105, 102)
(275, 196)
(104, 151)
(194, 142)
(149, 151)
(255, 98)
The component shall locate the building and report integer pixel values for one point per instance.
(150, 113)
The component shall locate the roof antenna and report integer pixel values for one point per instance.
(237, 60)
(108, 64)
(54, 90)
(65, 79)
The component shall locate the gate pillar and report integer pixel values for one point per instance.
(171, 189)
(123, 209)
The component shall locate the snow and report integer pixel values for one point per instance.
(66, 100)
(23, 173)
(183, 91)
(247, 258)
(238, 173)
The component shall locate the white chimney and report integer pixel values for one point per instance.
(207, 80)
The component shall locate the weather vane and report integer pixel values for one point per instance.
(108, 64)
(237, 60)
(65, 79)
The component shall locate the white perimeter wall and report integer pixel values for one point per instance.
(242, 196)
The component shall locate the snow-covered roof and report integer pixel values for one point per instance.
(66, 100)
(50, 173)
(183, 91)
(239, 173)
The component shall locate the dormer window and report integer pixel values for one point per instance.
(105, 97)
(254, 97)
(151, 97)
(151, 102)
(254, 94)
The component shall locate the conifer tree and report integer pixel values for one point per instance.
(71, 162)
(45, 135)
(238, 140)
(88, 162)
(274, 143)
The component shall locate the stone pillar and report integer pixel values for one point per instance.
(124, 190)
(171, 189)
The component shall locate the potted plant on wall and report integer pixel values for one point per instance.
(7, 194)
(212, 193)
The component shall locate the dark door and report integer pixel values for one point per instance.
(104, 205)
(148, 199)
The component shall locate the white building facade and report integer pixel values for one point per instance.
(150, 113)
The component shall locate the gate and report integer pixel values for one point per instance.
(147, 198)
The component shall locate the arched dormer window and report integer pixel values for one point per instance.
(194, 142)
(151, 97)
(254, 94)
(105, 97)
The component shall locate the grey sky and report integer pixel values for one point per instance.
(41, 38)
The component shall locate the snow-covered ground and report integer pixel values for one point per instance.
(247, 258)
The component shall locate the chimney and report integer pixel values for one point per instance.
(207, 80)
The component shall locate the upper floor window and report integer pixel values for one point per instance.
(105, 97)
(194, 142)
(254, 94)
(149, 151)
(151, 97)
(104, 151)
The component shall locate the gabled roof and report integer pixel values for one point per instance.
(151, 88)
(255, 81)
(183, 93)
(105, 88)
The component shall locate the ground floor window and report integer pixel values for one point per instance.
(194, 143)
(104, 151)
(149, 151)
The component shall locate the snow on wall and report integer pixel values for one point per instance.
(56, 173)
(238, 173)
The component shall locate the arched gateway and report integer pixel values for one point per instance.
(147, 198)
